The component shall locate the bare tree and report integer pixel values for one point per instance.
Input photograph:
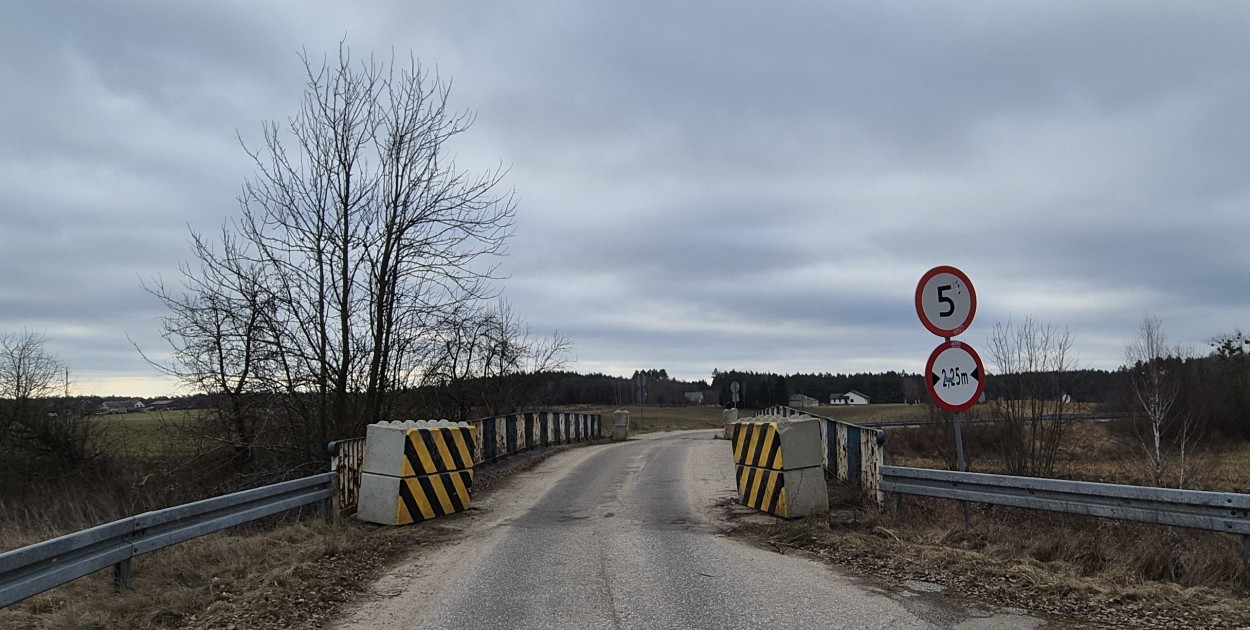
(487, 359)
(357, 236)
(27, 371)
(1162, 425)
(37, 435)
(1032, 362)
(220, 334)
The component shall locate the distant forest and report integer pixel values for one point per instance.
(1216, 387)
(756, 389)
(763, 389)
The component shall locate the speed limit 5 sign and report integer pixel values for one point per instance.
(945, 301)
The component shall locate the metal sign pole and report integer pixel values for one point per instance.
(642, 398)
(963, 463)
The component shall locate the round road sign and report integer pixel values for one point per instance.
(955, 376)
(945, 301)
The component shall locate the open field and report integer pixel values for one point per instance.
(148, 435)
(646, 419)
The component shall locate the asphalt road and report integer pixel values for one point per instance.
(625, 536)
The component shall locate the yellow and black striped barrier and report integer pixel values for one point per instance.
(416, 471)
(423, 498)
(757, 444)
(778, 466)
(421, 451)
(763, 489)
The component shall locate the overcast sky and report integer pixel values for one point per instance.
(733, 185)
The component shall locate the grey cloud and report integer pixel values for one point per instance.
(752, 186)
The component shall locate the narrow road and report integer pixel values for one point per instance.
(625, 536)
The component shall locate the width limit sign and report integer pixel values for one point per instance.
(955, 376)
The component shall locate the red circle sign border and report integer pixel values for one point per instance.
(972, 308)
(928, 371)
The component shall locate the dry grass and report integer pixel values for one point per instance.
(1091, 451)
(1105, 572)
(862, 414)
(286, 571)
(1083, 570)
(158, 434)
(294, 576)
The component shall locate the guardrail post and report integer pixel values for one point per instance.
(1245, 551)
(123, 577)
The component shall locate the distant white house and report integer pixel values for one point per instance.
(799, 401)
(850, 398)
(121, 406)
(694, 398)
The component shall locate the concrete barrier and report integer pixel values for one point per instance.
(403, 500)
(730, 416)
(500, 436)
(852, 453)
(620, 425)
(415, 471)
(778, 465)
(405, 449)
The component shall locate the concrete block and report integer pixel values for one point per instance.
(620, 428)
(405, 449)
(788, 494)
(399, 501)
(778, 444)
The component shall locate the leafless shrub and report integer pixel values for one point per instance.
(1165, 427)
(40, 435)
(1032, 360)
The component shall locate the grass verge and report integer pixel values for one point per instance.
(294, 576)
(1078, 571)
(283, 572)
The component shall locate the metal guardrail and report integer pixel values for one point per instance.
(32, 570)
(1193, 509)
(1212, 511)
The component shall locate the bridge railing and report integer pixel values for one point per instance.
(497, 437)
